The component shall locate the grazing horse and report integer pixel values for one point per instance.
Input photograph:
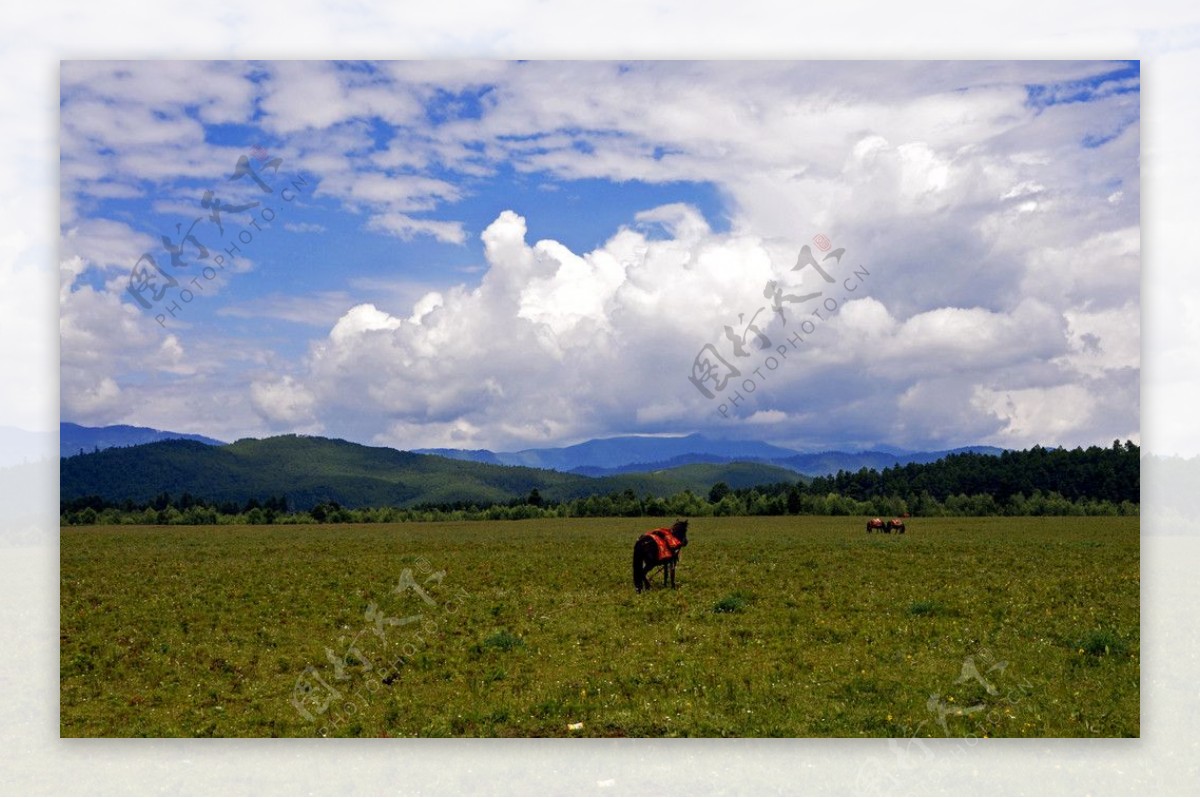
(895, 525)
(658, 547)
(876, 525)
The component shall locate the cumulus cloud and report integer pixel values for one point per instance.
(284, 404)
(543, 324)
(101, 338)
(553, 344)
(1103, 341)
(1039, 413)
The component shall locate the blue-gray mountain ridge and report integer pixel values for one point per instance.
(75, 439)
(639, 453)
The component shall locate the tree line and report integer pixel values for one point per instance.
(1038, 481)
(1095, 473)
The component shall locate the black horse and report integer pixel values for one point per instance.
(649, 551)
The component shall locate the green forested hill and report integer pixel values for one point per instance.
(309, 471)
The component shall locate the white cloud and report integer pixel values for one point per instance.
(1000, 264)
(1103, 270)
(1037, 414)
(319, 309)
(957, 340)
(1103, 340)
(406, 227)
(284, 404)
(101, 339)
(103, 244)
(361, 319)
(426, 305)
(505, 363)
(302, 95)
(767, 417)
(303, 227)
(512, 352)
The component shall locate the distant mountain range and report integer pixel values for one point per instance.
(615, 453)
(604, 457)
(75, 440)
(642, 453)
(311, 470)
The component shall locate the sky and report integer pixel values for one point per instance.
(491, 254)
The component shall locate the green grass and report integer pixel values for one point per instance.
(779, 627)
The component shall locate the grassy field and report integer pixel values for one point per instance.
(799, 626)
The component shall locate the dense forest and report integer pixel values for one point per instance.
(1037, 481)
(1111, 474)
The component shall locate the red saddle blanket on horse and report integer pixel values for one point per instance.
(668, 544)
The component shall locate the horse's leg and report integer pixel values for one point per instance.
(642, 566)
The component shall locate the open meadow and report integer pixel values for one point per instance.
(780, 626)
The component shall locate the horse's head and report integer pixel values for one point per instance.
(679, 530)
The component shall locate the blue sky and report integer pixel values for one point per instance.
(505, 254)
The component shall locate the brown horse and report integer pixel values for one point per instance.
(895, 525)
(876, 525)
(658, 547)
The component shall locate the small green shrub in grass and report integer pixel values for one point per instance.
(503, 640)
(925, 608)
(1102, 643)
(735, 602)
